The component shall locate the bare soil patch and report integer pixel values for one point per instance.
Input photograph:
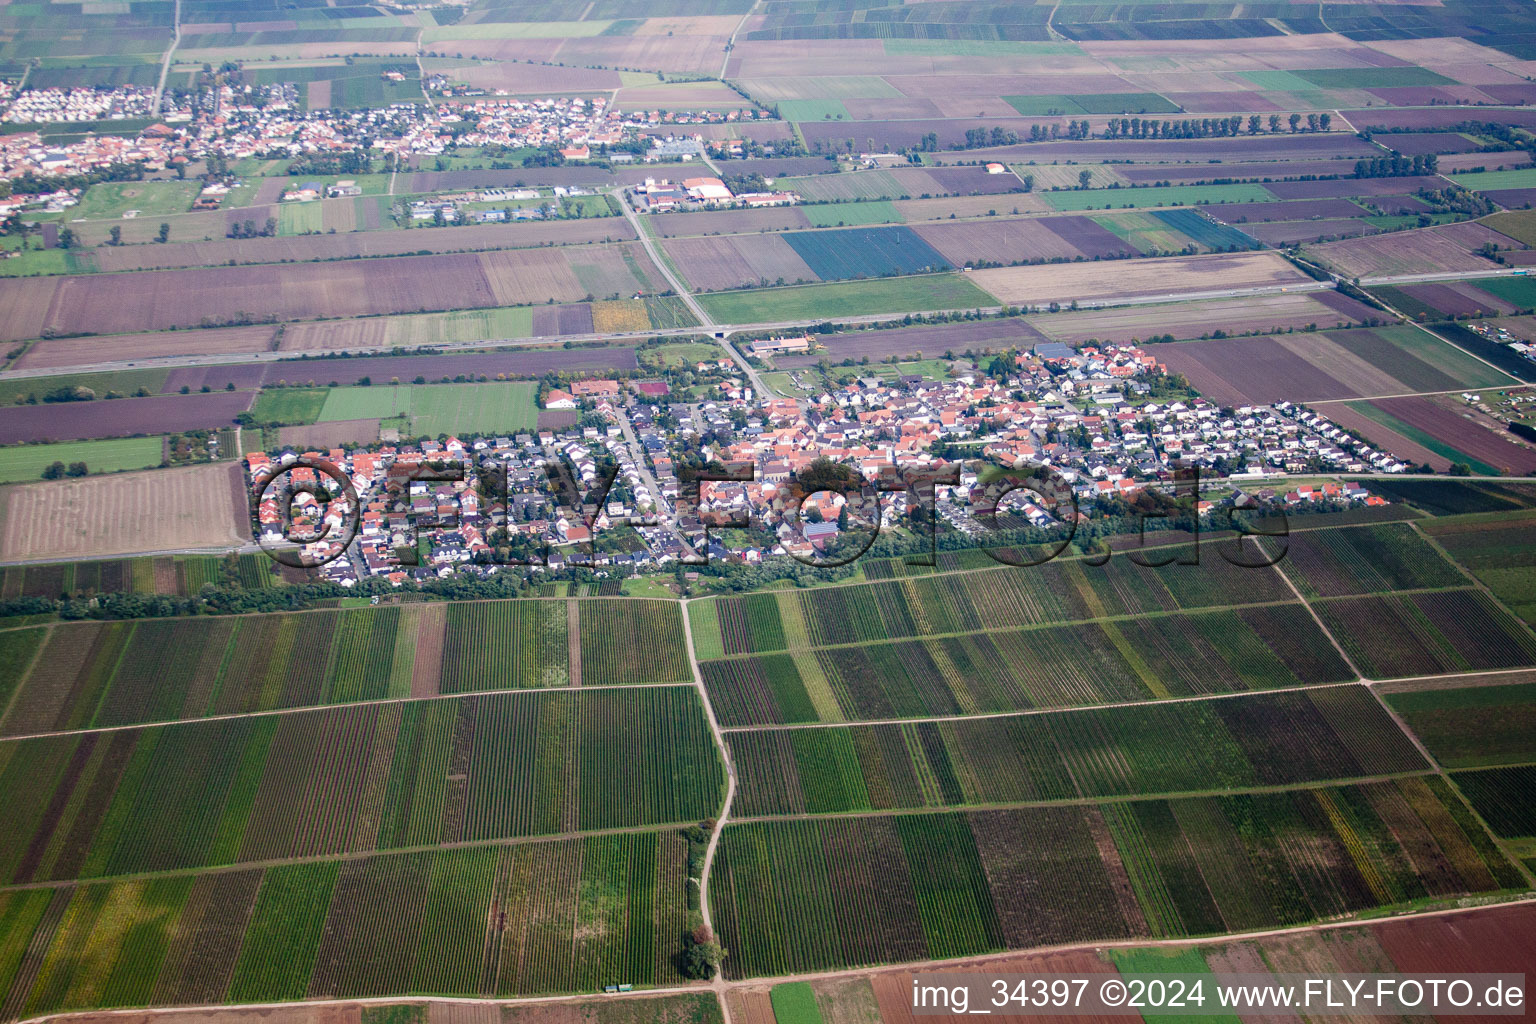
(1134, 278)
(95, 517)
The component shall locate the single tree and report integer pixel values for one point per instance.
(165, 233)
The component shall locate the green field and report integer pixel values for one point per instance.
(852, 298)
(1463, 369)
(151, 198)
(436, 409)
(1160, 195)
(1373, 78)
(300, 218)
(813, 110)
(289, 405)
(1518, 291)
(27, 461)
(834, 215)
(794, 1003)
(122, 382)
(1524, 177)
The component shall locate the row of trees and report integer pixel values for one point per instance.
(1397, 166)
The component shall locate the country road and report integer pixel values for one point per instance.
(165, 62)
(707, 324)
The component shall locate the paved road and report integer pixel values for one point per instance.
(707, 324)
(666, 519)
(1457, 275)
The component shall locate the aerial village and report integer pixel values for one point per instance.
(1091, 415)
(236, 126)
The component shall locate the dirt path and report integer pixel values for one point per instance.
(165, 62)
(573, 640)
(725, 811)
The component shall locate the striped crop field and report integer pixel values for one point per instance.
(1001, 598)
(161, 574)
(632, 641)
(354, 779)
(1367, 560)
(1473, 726)
(1428, 633)
(493, 645)
(822, 893)
(479, 921)
(98, 674)
(1277, 739)
(1168, 655)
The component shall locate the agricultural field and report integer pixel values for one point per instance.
(438, 409)
(1164, 195)
(1448, 247)
(1030, 240)
(92, 517)
(1245, 742)
(98, 675)
(735, 261)
(865, 252)
(356, 779)
(1197, 276)
(27, 462)
(1441, 425)
(855, 298)
(1431, 633)
(1366, 560)
(117, 303)
(1309, 366)
(249, 791)
(181, 575)
(305, 235)
(1472, 726)
(1013, 670)
(1005, 640)
(985, 335)
(1257, 314)
(821, 893)
(1061, 590)
(1495, 938)
(1500, 552)
(472, 921)
(852, 214)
